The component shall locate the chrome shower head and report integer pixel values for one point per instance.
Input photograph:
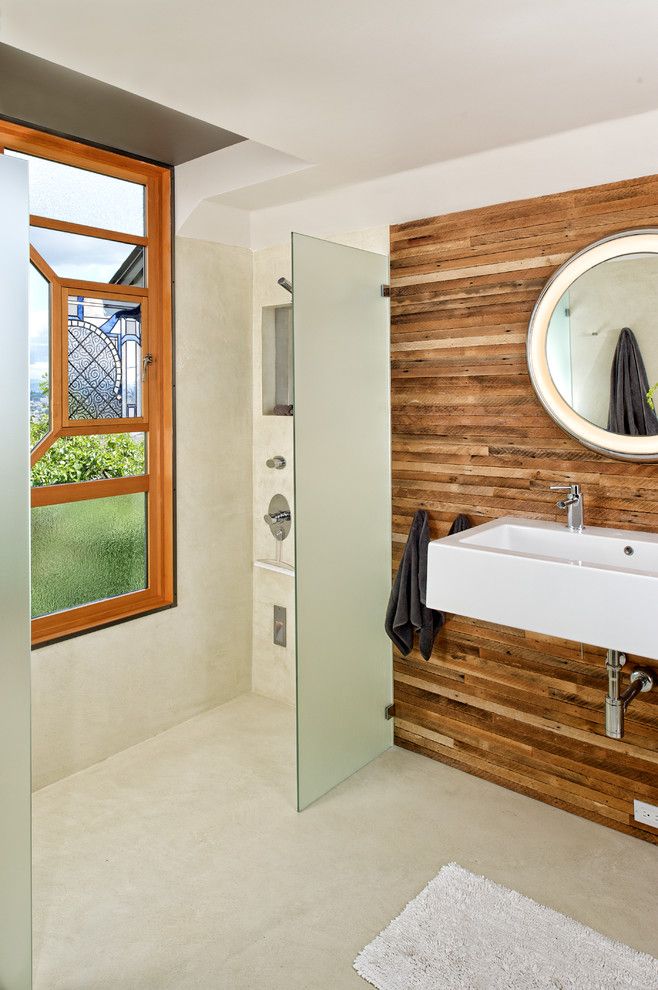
(285, 284)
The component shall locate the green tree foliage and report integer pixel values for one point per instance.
(84, 458)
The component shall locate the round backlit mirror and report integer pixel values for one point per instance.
(593, 346)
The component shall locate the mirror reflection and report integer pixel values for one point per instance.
(602, 345)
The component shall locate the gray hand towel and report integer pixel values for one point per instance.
(629, 412)
(407, 612)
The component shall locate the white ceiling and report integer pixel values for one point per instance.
(360, 88)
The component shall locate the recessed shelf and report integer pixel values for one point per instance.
(276, 329)
(280, 567)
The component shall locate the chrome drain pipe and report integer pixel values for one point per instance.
(616, 703)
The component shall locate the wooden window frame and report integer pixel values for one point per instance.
(156, 420)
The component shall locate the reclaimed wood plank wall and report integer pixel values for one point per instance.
(469, 435)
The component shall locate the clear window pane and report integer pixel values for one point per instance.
(104, 366)
(64, 192)
(91, 458)
(85, 552)
(39, 331)
(90, 258)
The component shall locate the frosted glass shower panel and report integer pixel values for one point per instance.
(15, 811)
(343, 512)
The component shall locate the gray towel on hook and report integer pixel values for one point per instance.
(407, 612)
(629, 412)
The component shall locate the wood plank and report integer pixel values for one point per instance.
(83, 490)
(30, 141)
(69, 227)
(517, 708)
(51, 628)
(106, 290)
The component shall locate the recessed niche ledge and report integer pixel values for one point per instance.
(280, 567)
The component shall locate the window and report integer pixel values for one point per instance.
(100, 384)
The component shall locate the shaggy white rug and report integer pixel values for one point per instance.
(464, 932)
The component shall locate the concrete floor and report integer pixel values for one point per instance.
(181, 863)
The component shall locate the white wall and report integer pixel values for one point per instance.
(104, 691)
(607, 152)
(617, 149)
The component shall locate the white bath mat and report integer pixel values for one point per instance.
(464, 932)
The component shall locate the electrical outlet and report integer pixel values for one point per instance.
(645, 813)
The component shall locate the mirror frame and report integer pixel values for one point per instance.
(627, 242)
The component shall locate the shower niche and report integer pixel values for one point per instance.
(277, 361)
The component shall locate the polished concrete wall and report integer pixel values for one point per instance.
(273, 667)
(104, 691)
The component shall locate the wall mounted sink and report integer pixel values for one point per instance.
(598, 587)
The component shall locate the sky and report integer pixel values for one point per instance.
(62, 192)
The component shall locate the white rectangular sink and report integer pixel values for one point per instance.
(598, 587)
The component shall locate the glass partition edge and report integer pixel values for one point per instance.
(15, 771)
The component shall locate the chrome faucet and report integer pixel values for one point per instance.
(574, 503)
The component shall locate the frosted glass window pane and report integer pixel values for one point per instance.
(104, 366)
(91, 458)
(90, 258)
(39, 330)
(85, 552)
(64, 192)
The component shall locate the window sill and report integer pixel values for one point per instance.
(49, 629)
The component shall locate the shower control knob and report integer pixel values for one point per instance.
(279, 517)
(276, 462)
(276, 517)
